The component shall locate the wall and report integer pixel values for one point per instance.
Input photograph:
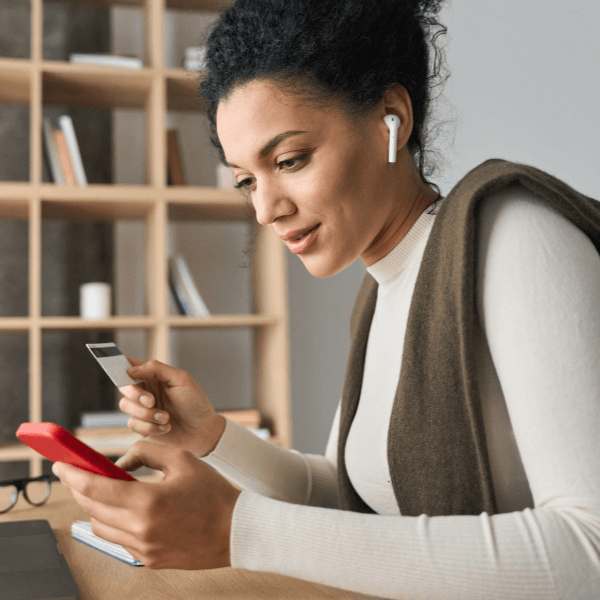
(524, 86)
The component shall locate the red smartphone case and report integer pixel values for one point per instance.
(58, 445)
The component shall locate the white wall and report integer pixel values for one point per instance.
(525, 79)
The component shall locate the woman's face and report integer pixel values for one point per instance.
(307, 169)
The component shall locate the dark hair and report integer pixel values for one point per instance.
(323, 51)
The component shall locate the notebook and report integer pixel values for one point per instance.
(32, 567)
(82, 531)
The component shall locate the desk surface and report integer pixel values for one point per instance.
(101, 577)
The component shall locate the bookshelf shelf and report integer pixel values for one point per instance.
(91, 86)
(155, 90)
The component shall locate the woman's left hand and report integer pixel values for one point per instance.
(181, 522)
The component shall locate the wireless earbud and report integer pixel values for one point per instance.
(393, 122)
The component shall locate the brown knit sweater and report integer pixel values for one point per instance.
(436, 443)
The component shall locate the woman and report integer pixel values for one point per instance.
(469, 419)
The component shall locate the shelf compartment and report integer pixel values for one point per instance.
(16, 21)
(72, 380)
(15, 141)
(15, 81)
(198, 158)
(210, 356)
(14, 268)
(182, 91)
(14, 368)
(91, 86)
(216, 254)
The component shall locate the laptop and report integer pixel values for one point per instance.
(32, 566)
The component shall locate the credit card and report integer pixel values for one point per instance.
(114, 363)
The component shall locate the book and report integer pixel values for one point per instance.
(105, 438)
(184, 289)
(108, 60)
(52, 153)
(65, 158)
(82, 531)
(104, 419)
(114, 422)
(66, 124)
(174, 164)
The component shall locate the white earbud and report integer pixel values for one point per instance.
(393, 122)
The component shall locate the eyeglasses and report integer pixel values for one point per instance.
(35, 489)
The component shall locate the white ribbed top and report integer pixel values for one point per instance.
(538, 365)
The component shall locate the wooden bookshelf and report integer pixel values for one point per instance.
(156, 90)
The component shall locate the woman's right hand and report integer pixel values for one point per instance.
(171, 408)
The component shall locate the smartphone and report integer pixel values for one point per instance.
(58, 445)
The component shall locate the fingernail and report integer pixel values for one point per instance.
(145, 400)
(135, 369)
(55, 469)
(161, 417)
(119, 462)
(163, 427)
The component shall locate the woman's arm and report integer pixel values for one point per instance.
(538, 294)
(261, 467)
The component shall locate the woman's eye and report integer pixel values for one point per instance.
(292, 162)
(286, 165)
(244, 184)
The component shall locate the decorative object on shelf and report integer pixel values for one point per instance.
(194, 58)
(95, 301)
(52, 153)
(108, 60)
(174, 163)
(225, 178)
(66, 124)
(184, 289)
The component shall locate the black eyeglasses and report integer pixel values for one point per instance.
(35, 489)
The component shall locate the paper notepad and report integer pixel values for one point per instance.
(82, 531)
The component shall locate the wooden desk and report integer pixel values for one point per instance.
(102, 577)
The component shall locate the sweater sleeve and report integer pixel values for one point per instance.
(538, 290)
(263, 468)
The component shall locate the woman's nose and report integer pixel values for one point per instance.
(271, 202)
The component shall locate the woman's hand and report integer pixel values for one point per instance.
(171, 406)
(181, 522)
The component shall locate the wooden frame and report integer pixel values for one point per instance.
(157, 90)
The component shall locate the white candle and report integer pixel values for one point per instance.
(94, 300)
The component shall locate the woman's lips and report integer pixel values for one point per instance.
(301, 245)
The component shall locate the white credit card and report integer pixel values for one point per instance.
(113, 361)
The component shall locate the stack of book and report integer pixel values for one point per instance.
(63, 154)
(107, 430)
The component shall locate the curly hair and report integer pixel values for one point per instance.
(325, 52)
